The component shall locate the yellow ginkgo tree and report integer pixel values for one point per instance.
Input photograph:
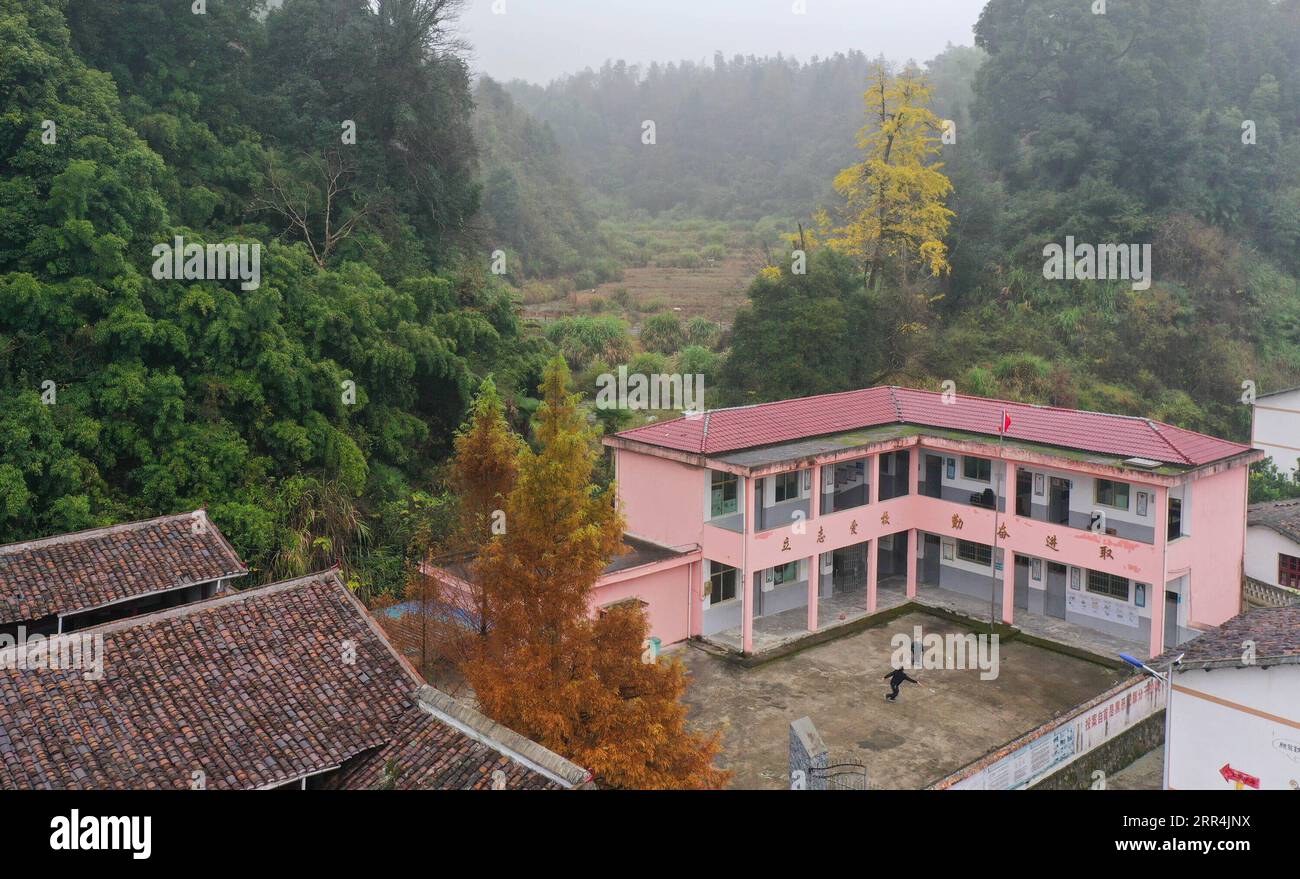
(894, 211)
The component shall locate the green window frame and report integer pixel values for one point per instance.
(1113, 494)
(977, 469)
(724, 497)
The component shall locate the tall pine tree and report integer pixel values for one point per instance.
(546, 668)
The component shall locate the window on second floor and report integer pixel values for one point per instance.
(786, 486)
(1108, 584)
(1112, 494)
(1288, 571)
(723, 498)
(979, 553)
(1175, 518)
(978, 469)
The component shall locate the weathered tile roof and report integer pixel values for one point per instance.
(432, 754)
(1275, 632)
(1281, 516)
(252, 689)
(743, 427)
(87, 569)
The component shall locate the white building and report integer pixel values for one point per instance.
(1275, 427)
(1235, 707)
(1273, 543)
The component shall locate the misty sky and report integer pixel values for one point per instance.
(538, 40)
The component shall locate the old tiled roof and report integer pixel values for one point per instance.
(252, 689)
(1275, 632)
(87, 569)
(1281, 516)
(431, 754)
(743, 427)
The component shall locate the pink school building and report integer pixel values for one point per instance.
(806, 513)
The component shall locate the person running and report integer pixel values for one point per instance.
(896, 678)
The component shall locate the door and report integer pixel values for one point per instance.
(1171, 619)
(1058, 502)
(933, 476)
(1022, 583)
(1056, 587)
(930, 562)
(1024, 493)
(851, 568)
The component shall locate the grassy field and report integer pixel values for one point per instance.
(689, 267)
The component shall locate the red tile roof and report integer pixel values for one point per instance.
(252, 689)
(86, 569)
(743, 427)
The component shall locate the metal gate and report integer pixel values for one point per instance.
(849, 775)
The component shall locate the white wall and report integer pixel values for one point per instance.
(1206, 735)
(1276, 428)
(1262, 548)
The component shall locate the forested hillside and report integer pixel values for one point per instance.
(741, 138)
(311, 413)
(308, 413)
(533, 207)
(1174, 123)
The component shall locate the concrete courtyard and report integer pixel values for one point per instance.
(949, 720)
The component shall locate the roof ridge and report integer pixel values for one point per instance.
(217, 601)
(100, 531)
(500, 738)
(1052, 407)
(1156, 429)
(898, 407)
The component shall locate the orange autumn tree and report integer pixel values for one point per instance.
(546, 669)
(483, 470)
(480, 475)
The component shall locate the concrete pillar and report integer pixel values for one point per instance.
(809, 756)
(1008, 586)
(747, 614)
(1157, 598)
(814, 563)
(913, 468)
(814, 577)
(912, 538)
(1008, 557)
(873, 572)
(747, 575)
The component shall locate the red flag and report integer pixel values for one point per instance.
(1006, 421)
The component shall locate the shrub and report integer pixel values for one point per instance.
(663, 333)
(695, 359)
(703, 332)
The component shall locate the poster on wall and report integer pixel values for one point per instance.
(1101, 608)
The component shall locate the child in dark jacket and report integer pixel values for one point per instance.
(896, 678)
